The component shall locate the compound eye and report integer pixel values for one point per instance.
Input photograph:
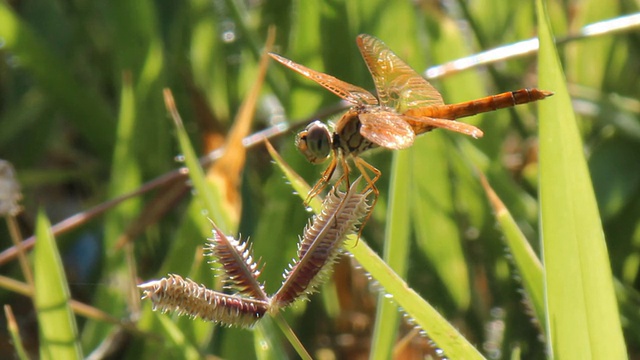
(314, 142)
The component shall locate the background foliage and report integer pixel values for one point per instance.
(82, 120)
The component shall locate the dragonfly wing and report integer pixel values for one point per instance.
(351, 93)
(424, 124)
(386, 129)
(399, 86)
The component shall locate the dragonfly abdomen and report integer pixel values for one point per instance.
(486, 104)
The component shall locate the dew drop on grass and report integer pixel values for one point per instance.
(228, 31)
(228, 36)
(263, 345)
(179, 158)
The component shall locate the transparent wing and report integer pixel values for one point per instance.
(351, 93)
(423, 124)
(399, 86)
(386, 129)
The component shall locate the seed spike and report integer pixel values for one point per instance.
(186, 297)
(239, 270)
(321, 244)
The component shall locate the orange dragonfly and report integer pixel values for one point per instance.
(407, 105)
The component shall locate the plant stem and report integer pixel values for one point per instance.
(291, 336)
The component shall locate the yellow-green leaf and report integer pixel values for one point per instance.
(582, 314)
(57, 324)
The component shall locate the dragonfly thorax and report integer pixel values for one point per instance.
(315, 142)
(347, 137)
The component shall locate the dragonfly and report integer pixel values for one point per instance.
(407, 105)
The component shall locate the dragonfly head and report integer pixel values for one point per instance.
(314, 142)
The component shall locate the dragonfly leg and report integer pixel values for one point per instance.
(343, 177)
(361, 165)
(345, 171)
(323, 182)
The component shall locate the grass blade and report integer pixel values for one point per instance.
(396, 250)
(211, 196)
(582, 314)
(524, 257)
(58, 330)
(126, 177)
(14, 331)
(437, 328)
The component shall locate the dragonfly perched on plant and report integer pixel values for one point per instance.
(406, 106)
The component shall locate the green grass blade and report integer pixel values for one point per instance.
(524, 257)
(126, 177)
(582, 314)
(269, 325)
(210, 196)
(396, 251)
(139, 51)
(437, 328)
(58, 331)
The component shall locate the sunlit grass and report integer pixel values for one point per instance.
(79, 132)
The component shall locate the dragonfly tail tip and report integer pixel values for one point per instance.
(547, 93)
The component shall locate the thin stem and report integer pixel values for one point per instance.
(12, 326)
(16, 237)
(291, 336)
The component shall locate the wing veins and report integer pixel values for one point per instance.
(351, 93)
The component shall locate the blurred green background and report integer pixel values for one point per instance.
(82, 120)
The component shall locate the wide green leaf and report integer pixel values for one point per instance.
(582, 313)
